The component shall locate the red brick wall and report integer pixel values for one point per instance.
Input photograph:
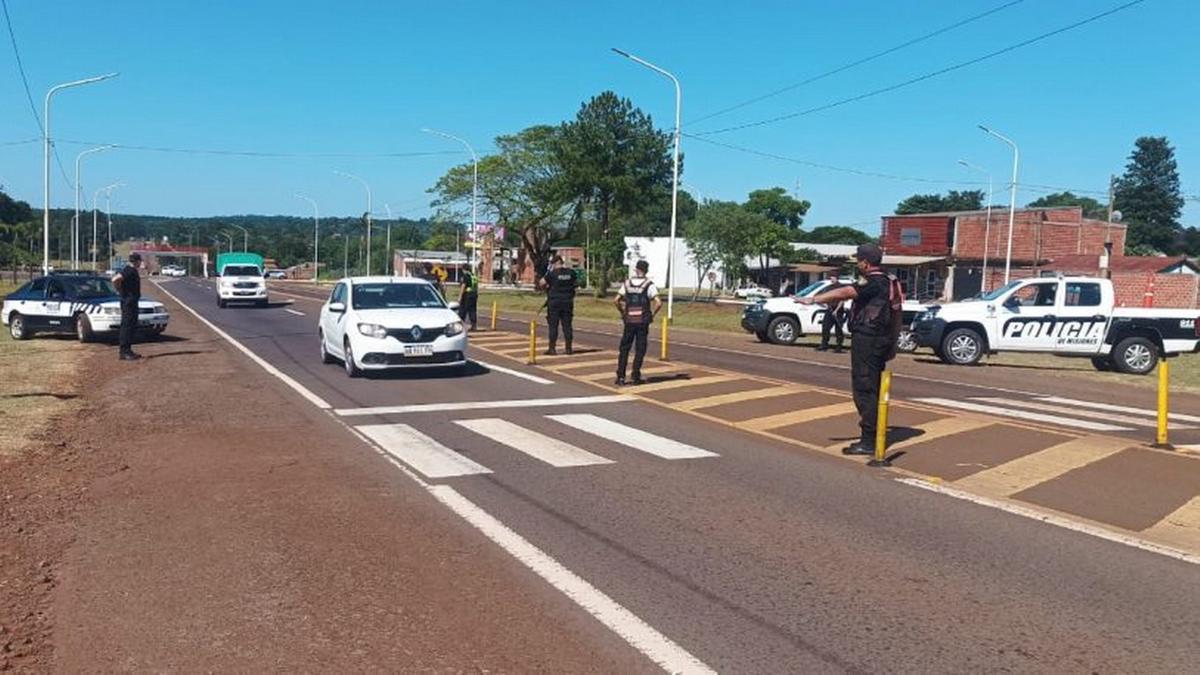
(935, 232)
(1170, 290)
(1037, 235)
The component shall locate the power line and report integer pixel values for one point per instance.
(859, 62)
(27, 141)
(927, 76)
(262, 153)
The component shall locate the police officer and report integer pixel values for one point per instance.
(835, 314)
(560, 283)
(129, 286)
(874, 326)
(468, 298)
(638, 302)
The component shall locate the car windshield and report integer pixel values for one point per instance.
(240, 271)
(997, 292)
(395, 296)
(810, 289)
(90, 287)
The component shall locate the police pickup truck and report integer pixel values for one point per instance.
(782, 320)
(84, 304)
(1064, 316)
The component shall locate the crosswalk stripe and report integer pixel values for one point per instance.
(539, 446)
(1180, 528)
(576, 365)
(1022, 415)
(481, 405)
(737, 397)
(500, 345)
(1070, 410)
(797, 416)
(947, 426)
(1033, 469)
(652, 370)
(682, 382)
(1117, 408)
(421, 452)
(637, 439)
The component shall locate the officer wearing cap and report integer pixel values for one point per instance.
(129, 286)
(874, 324)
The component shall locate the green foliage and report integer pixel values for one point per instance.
(1091, 207)
(1148, 195)
(444, 235)
(778, 206)
(836, 235)
(954, 200)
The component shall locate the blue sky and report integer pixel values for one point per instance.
(363, 77)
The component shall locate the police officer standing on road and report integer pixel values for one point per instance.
(638, 302)
(875, 318)
(129, 286)
(468, 298)
(835, 314)
(560, 283)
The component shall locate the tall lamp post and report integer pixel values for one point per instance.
(75, 229)
(245, 237)
(1012, 196)
(987, 229)
(46, 162)
(474, 186)
(95, 200)
(316, 234)
(388, 266)
(368, 188)
(674, 177)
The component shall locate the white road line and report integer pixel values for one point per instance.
(292, 311)
(514, 373)
(1051, 519)
(538, 446)
(1116, 408)
(421, 452)
(1022, 415)
(642, 636)
(637, 439)
(1071, 410)
(284, 377)
(482, 405)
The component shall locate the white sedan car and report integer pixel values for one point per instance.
(378, 323)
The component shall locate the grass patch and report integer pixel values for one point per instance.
(1185, 370)
(698, 315)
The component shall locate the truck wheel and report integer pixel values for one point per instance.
(962, 347)
(783, 330)
(17, 328)
(83, 328)
(906, 342)
(1102, 363)
(1135, 356)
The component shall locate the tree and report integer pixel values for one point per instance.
(967, 200)
(1091, 207)
(443, 236)
(704, 248)
(778, 206)
(1148, 195)
(836, 235)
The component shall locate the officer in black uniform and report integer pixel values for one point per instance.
(560, 283)
(129, 286)
(874, 327)
(835, 314)
(468, 298)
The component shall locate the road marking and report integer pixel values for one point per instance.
(302, 297)
(1072, 410)
(286, 379)
(481, 405)
(492, 344)
(652, 370)
(1022, 415)
(1025, 472)
(1052, 519)
(637, 439)
(421, 452)
(1181, 527)
(797, 416)
(737, 397)
(289, 310)
(947, 426)
(514, 373)
(552, 451)
(652, 644)
(684, 382)
(574, 365)
(1116, 408)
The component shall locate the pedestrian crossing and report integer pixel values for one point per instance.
(1064, 412)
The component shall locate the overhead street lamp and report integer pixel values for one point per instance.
(474, 186)
(230, 238)
(316, 234)
(345, 253)
(245, 237)
(674, 177)
(388, 261)
(1012, 197)
(987, 230)
(46, 162)
(95, 200)
(368, 188)
(75, 228)
(108, 212)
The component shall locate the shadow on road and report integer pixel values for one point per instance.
(472, 369)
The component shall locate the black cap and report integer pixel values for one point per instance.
(870, 253)
(135, 256)
(642, 266)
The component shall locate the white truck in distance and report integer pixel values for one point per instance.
(1064, 316)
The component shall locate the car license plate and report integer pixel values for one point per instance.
(418, 350)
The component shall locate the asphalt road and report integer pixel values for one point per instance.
(749, 554)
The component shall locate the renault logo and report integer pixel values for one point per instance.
(415, 332)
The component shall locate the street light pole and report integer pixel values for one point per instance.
(230, 238)
(388, 249)
(75, 229)
(368, 188)
(245, 237)
(674, 177)
(95, 209)
(108, 211)
(46, 162)
(316, 235)
(987, 230)
(1012, 197)
(474, 187)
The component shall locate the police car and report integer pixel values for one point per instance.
(84, 304)
(1065, 316)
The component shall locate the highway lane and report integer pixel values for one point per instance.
(763, 558)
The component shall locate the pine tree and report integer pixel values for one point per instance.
(1149, 197)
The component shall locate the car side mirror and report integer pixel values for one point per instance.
(454, 306)
(1012, 302)
(338, 307)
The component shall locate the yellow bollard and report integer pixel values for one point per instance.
(881, 421)
(665, 331)
(1164, 376)
(532, 342)
(493, 316)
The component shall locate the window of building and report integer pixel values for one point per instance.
(910, 236)
(1083, 295)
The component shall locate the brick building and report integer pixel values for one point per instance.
(1164, 281)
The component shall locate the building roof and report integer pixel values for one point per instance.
(828, 250)
(980, 212)
(1124, 263)
(907, 260)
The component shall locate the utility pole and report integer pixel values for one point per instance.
(1108, 244)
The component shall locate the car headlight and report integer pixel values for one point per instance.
(112, 310)
(927, 315)
(372, 330)
(454, 328)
